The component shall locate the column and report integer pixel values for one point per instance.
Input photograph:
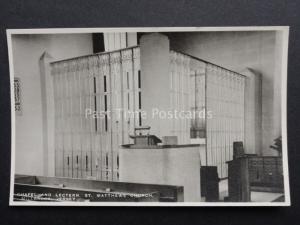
(253, 112)
(155, 82)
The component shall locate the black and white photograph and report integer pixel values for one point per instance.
(192, 116)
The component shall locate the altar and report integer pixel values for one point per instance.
(168, 164)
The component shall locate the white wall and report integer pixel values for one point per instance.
(115, 41)
(237, 51)
(27, 50)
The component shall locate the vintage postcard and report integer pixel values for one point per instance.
(192, 116)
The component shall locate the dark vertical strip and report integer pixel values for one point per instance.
(140, 119)
(104, 81)
(106, 163)
(118, 166)
(139, 79)
(105, 121)
(139, 35)
(105, 103)
(105, 109)
(95, 86)
(118, 161)
(98, 42)
(140, 100)
(86, 162)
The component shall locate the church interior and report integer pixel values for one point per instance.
(81, 133)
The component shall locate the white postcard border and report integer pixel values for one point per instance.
(284, 29)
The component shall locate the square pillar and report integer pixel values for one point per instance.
(47, 96)
(253, 112)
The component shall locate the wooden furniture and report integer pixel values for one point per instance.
(266, 173)
(238, 180)
(254, 173)
(209, 183)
